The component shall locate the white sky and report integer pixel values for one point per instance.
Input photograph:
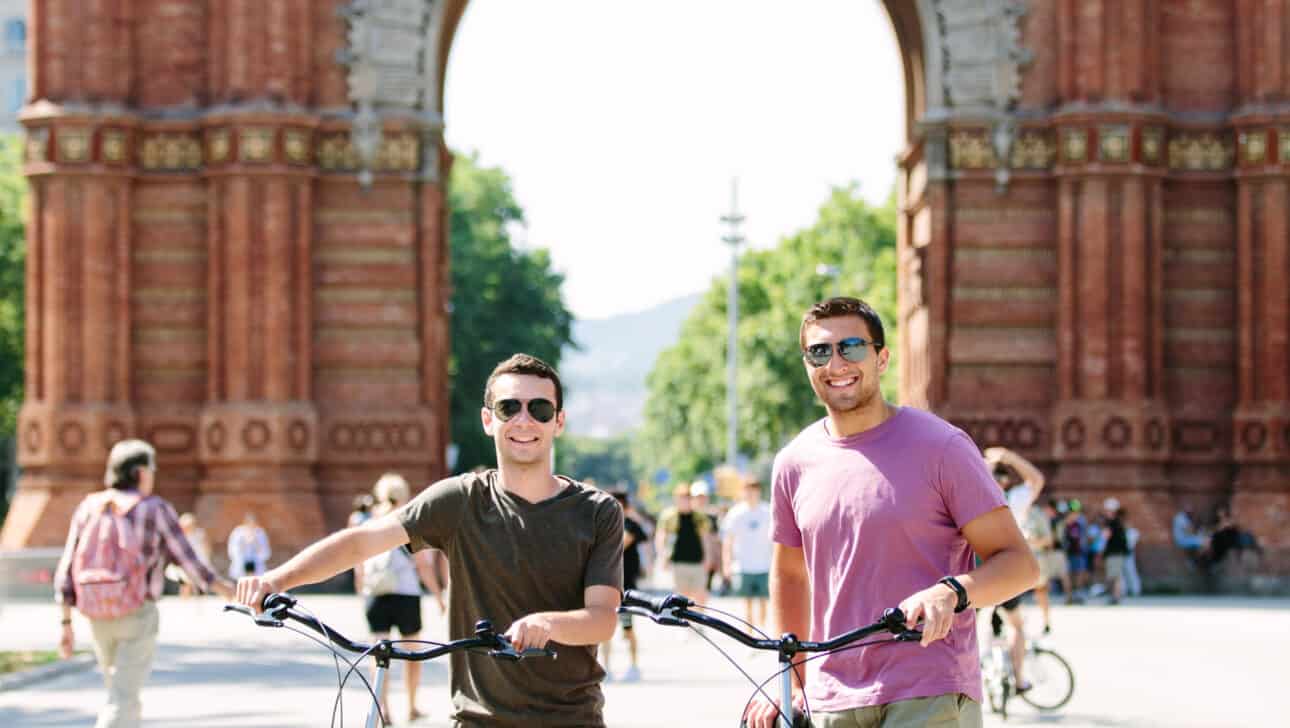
(622, 122)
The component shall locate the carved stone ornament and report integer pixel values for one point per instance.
(37, 147)
(73, 144)
(393, 66)
(971, 149)
(1034, 150)
(219, 144)
(1153, 144)
(113, 146)
(170, 152)
(399, 153)
(336, 153)
(1254, 146)
(295, 144)
(974, 64)
(255, 145)
(1203, 152)
(1074, 145)
(1113, 143)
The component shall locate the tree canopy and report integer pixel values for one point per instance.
(13, 190)
(684, 426)
(504, 300)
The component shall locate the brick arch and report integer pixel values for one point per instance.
(1094, 228)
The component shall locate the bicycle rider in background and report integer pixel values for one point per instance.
(1006, 466)
(525, 547)
(878, 505)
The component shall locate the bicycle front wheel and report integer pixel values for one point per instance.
(1051, 678)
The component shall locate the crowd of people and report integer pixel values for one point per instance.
(874, 505)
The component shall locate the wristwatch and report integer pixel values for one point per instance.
(954, 584)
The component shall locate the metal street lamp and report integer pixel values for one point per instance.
(734, 239)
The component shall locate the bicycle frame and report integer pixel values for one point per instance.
(279, 607)
(673, 610)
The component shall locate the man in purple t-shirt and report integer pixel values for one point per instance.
(877, 506)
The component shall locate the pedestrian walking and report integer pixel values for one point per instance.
(680, 543)
(248, 548)
(633, 537)
(112, 570)
(391, 584)
(746, 543)
(874, 506)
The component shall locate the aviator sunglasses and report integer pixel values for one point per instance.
(852, 348)
(541, 410)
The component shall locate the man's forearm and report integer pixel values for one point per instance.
(321, 560)
(1001, 577)
(789, 608)
(586, 626)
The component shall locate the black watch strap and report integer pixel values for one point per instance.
(954, 584)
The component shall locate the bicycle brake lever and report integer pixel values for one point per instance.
(909, 635)
(263, 619)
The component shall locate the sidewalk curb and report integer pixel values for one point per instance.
(16, 680)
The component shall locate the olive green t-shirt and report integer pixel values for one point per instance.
(509, 558)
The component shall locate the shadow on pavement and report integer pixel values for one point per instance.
(47, 717)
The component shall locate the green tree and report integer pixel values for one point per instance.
(13, 190)
(607, 461)
(504, 300)
(685, 411)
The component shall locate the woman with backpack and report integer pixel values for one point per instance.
(113, 570)
(391, 583)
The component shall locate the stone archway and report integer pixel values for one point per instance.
(1093, 230)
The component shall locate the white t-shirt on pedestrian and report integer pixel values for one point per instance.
(750, 530)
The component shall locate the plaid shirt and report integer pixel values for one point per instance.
(157, 527)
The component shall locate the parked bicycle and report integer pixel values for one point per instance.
(1052, 682)
(674, 610)
(280, 608)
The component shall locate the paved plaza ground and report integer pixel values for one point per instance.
(1180, 662)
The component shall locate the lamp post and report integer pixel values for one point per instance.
(733, 238)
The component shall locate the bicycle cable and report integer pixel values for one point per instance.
(749, 678)
(353, 668)
(806, 703)
(758, 630)
(336, 659)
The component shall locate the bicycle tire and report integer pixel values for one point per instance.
(1051, 678)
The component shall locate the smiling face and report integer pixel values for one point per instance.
(845, 386)
(522, 440)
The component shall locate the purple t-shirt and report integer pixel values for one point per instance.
(878, 516)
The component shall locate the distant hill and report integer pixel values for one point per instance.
(605, 380)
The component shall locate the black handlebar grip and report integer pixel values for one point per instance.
(634, 598)
(894, 619)
(278, 599)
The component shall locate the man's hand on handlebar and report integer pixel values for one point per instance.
(251, 591)
(764, 714)
(935, 605)
(533, 631)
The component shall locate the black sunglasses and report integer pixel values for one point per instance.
(853, 349)
(541, 410)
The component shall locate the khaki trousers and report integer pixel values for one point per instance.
(953, 710)
(124, 648)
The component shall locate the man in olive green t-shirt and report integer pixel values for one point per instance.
(526, 548)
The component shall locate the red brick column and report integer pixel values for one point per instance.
(1261, 422)
(78, 373)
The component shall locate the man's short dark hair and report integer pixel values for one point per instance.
(844, 306)
(525, 364)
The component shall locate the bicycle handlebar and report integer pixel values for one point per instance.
(280, 607)
(674, 610)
